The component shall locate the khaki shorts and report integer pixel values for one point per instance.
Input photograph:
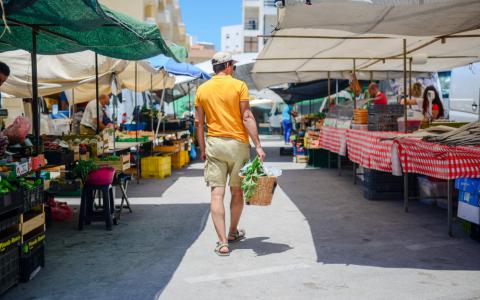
(225, 158)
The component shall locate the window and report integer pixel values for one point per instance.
(251, 44)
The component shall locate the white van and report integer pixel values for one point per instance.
(465, 94)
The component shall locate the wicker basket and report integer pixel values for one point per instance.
(264, 191)
(360, 116)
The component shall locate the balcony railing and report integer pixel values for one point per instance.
(269, 3)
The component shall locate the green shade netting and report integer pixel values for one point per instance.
(180, 52)
(313, 101)
(184, 104)
(66, 26)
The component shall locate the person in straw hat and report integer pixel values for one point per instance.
(223, 102)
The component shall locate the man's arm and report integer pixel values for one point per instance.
(251, 127)
(200, 128)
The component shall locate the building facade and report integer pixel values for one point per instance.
(165, 13)
(259, 18)
(232, 39)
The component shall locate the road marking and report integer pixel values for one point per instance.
(418, 247)
(255, 272)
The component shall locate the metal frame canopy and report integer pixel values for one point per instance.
(312, 40)
(66, 26)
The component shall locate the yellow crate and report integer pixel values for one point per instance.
(156, 166)
(179, 160)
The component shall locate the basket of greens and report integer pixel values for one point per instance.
(258, 184)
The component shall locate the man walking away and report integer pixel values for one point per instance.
(224, 102)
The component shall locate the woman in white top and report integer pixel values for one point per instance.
(416, 99)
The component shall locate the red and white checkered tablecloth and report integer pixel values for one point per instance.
(333, 139)
(439, 161)
(371, 149)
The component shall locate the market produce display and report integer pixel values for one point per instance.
(467, 135)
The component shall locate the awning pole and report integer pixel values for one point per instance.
(137, 124)
(405, 82)
(336, 91)
(329, 92)
(405, 174)
(189, 100)
(410, 76)
(35, 110)
(353, 83)
(97, 96)
(151, 101)
(72, 117)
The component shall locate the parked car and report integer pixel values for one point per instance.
(465, 93)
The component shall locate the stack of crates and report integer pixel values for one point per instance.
(180, 159)
(378, 185)
(156, 166)
(384, 117)
(32, 230)
(11, 205)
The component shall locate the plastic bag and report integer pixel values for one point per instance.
(18, 130)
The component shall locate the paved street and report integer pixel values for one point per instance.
(319, 240)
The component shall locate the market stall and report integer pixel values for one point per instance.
(50, 27)
(384, 45)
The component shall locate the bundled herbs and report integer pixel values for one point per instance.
(252, 171)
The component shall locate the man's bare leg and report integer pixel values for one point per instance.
(236, 208)
(218, 214)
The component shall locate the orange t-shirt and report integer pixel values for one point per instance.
(220, 99)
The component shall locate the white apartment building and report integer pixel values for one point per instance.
(232, 39)
(259, 18)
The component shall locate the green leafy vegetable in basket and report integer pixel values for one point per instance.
(252, 171)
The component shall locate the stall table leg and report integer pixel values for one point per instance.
(354, 173)
(405, 192)
(339, 163)
(450, 206)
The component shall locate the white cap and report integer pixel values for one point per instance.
(221, 58)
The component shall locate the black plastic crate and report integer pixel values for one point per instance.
(384, 117)
(9, 269)
(10, 201)
(9, 220)
(286, 151)
(31, 197)
(32, 263)
(374, 195)
(64, 157)
(32, 254)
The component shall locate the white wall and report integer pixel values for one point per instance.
(232, 38)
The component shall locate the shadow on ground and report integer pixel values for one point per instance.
(347, 229)
(261, 246)
(134, 261)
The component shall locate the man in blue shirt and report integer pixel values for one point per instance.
(287, 123)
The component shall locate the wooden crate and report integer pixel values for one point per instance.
(302, 159)
(119, 165)
(29, 225)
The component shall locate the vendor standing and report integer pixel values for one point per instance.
(378, 98)
(432, 107)
(88, 125)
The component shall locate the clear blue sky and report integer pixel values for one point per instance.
(204, 19)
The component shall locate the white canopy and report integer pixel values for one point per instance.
(57, 73)
(312, 40)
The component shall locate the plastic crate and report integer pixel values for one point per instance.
(31, 197)
(378, 185)
(384, 117)
(10, 201)
(9, 269)
(179, 159)
(64, 157)
(9, 220)
(319, 158)
(167, 149)
(31, 263)
(156, 166)
(135, 127)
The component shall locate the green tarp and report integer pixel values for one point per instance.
(66, 26)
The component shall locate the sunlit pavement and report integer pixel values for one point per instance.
(318, 240)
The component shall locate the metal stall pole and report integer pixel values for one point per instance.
(328, 107)
(405, 173)
(450, 206)
(35, 110)
(339, 161)
(137, 123)
(97, 93)
(354, 107)
(151, 101)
